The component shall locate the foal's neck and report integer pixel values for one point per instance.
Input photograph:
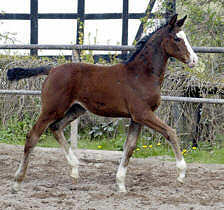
(151, 60)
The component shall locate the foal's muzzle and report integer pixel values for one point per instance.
(192, 61)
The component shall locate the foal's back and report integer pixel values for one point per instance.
(100, 89)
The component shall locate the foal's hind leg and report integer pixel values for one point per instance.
(57, 128)
(151, 120)
(129, 146)
(31, 140)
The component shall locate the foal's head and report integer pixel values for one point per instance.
(175, 42)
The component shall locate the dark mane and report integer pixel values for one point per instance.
(141, 43)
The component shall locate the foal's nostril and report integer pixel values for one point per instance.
(196, 59)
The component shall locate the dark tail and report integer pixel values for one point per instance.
(20, 73)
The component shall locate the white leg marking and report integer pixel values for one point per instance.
(181, 168)
(120, 178)
(193, 56)
(74, 162)
(17, 185)
(19, 169)
(121, 174)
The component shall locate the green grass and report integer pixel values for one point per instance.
(215, 155)
(49, 141)
(205, 153)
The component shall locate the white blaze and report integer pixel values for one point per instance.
(193, 56)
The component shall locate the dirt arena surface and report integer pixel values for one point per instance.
(151, 183)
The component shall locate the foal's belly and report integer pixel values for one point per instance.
(104, 109)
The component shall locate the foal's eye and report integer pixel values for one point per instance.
(176, 39)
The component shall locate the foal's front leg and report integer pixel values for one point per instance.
(149, 119)
(129, 146)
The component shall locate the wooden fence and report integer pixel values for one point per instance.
(95, 47)
(74, 125)
(81, 16)
(110, 48)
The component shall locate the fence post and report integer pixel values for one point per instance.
(80, 22)
(148, 13)
(76, 58)
(124, 40)
(170, 8)
(33, 25)
(74, 134)
(75, 123)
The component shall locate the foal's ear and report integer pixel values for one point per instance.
(181, 21)
(173, 20)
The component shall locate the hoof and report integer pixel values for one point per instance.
(181, 170)
(121, 188)
(122, 191)
(75, 173)
(180, 179)
(181, 176)
(16, 187)
(74, 181)
(75, 176)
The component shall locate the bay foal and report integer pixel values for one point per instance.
(130, 89)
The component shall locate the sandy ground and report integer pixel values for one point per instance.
(151, 183)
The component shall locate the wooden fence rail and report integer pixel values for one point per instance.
(96, 47)
(164, 98)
